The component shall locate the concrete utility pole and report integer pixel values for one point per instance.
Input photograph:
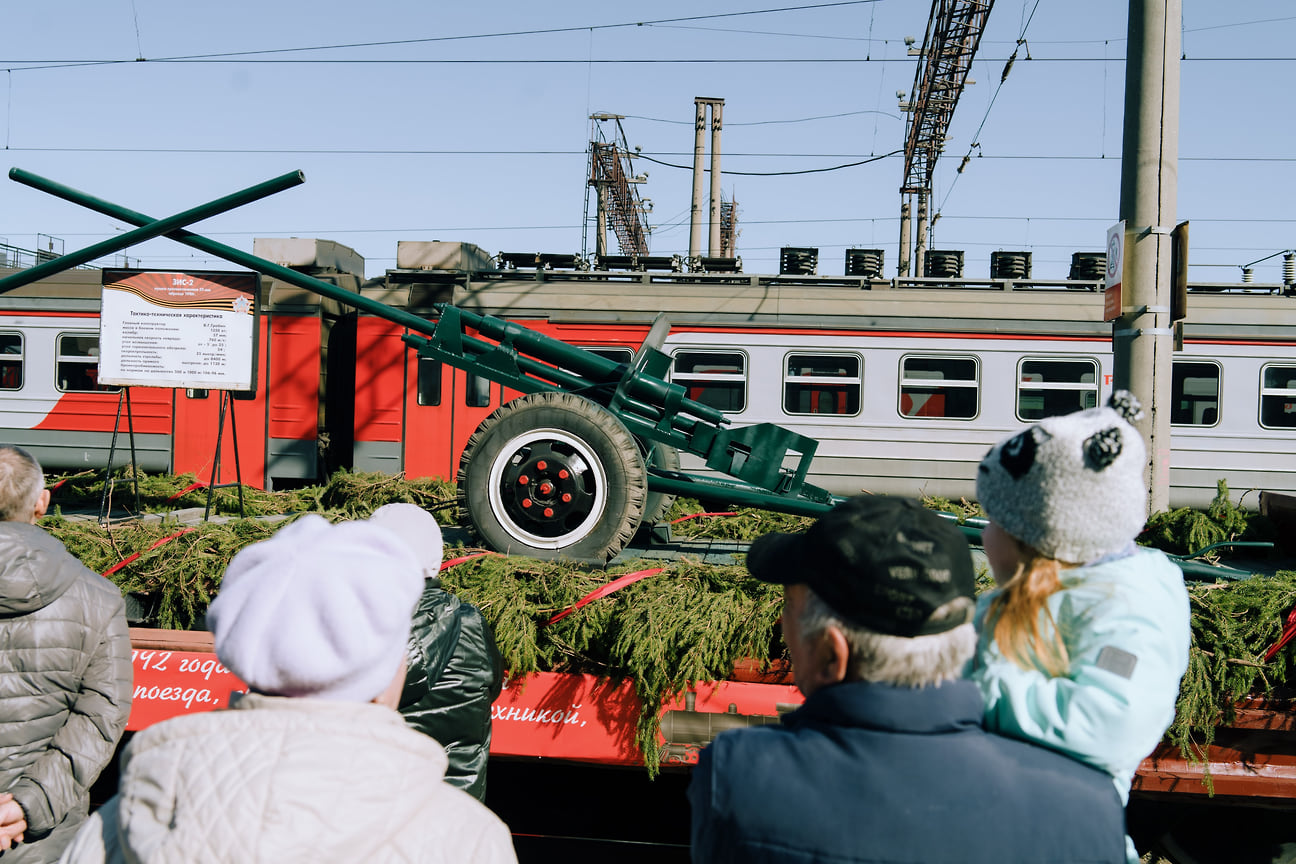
(713, 235)
(1142, 337)
(699, 150)
(701, 104)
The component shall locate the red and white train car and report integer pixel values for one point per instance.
(905, 383)
(52, 404)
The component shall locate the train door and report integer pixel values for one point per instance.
(378, 416)
(197, 427)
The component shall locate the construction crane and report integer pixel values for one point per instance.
(954, 31)
(618, 202)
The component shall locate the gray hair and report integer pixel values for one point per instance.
(918, 661)
(21, 483)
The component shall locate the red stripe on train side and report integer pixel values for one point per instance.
(97, 412)
(890, 334)
(929, 334)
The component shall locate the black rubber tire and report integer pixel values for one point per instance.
(552, 476)
(658, 504)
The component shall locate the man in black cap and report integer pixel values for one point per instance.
(887, 759)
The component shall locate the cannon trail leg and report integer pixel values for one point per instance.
(658, 504)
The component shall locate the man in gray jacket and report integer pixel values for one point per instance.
(65, 673)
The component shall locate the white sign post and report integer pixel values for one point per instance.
(1115, 270)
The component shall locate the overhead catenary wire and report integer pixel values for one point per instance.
(975, 144)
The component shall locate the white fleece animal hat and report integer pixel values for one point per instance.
(318, 610)
(418, 528)
(1072, 486)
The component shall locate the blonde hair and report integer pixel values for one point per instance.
(1018, 607)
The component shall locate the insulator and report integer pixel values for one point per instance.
(1010, 265)
(864, 262)
(1248, 274)
(943, 263)
(1289, 268)
(1088, 266)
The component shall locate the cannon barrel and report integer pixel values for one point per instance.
(646, 389)
(149, 228)
(220, 250)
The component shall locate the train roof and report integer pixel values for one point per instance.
(821, 303)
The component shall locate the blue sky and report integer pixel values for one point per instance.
(420, 136)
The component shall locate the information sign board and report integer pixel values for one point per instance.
(194, 329)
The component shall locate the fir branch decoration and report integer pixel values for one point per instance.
(1233, 625)
(687, 624)
(1186, 531)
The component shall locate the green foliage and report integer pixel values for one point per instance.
(743, 524)
(1186, 531)
(687, 624)
(178, 579)
(1233, 625)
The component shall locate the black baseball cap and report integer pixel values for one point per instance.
(883, 563)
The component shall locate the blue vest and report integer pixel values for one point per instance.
(871, 772)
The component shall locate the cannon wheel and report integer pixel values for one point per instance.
(658, 504)
(552, 475)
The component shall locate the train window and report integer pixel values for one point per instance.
(429, 381)
(1194, 391)
(714, 378)
(616, 355)
(11, 361)
(933, 387)
(822, 384)
(77, 364)
(1278, 396)
(477, 391)
(1052, 387)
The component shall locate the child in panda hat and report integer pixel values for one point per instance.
(1083, 642)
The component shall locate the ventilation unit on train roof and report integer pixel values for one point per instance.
(798, 261)
(865, 262)
(441, 255)
(1088, 266)
(309, 254)
(1010, 265)
(717, 264)
(943, 263)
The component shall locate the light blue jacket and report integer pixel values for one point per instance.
(1125, 623)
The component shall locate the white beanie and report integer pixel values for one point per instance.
(418, 528)
(317, 610)
(1072, 486)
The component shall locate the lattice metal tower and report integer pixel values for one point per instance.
(618, 202)
(729, 229)
(954, 31)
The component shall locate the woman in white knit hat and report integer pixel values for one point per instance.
(1083, 642)
(314, 763)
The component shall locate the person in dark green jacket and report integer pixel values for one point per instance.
(455, 672)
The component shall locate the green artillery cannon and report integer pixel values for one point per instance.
(576, 464)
